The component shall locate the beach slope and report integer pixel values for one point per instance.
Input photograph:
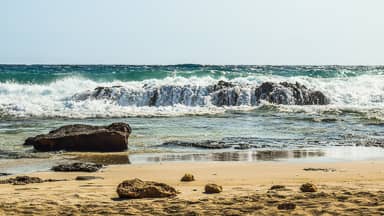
(344, 188)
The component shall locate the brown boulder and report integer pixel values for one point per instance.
(187, 177)
(213, 188)
(80, 137)
(308, 187)
(136, 188)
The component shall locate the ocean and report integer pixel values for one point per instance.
(35, 99)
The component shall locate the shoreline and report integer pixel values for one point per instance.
(305, 155)
(359, 182)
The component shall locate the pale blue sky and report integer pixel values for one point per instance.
(193, 31)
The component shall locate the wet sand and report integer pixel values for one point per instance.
(348, 188)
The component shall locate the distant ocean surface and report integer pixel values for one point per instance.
(37, 98)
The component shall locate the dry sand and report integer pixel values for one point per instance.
(355, 188)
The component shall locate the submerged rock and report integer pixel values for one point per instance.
(208, 144)
(136, 188)
(308, 187)
(243, 146)
(213, 188)
(80, 137)
(77, 167)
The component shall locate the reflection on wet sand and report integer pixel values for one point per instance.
(266, 155)
(104, 158)
(325, 154)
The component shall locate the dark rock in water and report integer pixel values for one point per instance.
(136, 188)
(243, 146)
(213, 188)
(86, 178)
(80, 137)
(222, 84)
(153, 97)
(29, 141)
(77, 167)
(22, 180)
(222, 93)
(225, 94)
(290, 94)
(4, 174)
(203, 144)
(286, 206)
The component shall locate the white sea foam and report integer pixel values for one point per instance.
(358, 94)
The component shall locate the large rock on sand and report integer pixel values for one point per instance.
(81, 137)
(308, 187)
(136, 188)
(213, 188)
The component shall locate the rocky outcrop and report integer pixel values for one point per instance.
(222, 93)
(80, 137)
(77, 167)
(136, 188)
(290, 94)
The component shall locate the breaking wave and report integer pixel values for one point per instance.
(71, 97)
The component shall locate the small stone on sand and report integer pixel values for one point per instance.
(85, 178)
(277, 187)
(187, 177)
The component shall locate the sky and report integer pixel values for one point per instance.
(276, 32)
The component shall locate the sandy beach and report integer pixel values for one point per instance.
(347, 188)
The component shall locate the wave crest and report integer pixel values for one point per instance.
(70, 97)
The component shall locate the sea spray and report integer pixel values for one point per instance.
(183, 89)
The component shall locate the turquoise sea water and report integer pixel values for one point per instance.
(37, 98)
